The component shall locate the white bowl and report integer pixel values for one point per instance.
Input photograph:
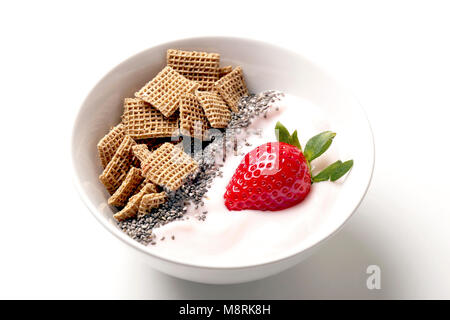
(266, 67)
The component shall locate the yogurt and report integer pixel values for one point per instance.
(230, 238)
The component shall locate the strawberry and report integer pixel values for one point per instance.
(277, 175)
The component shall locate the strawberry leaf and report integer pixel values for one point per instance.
(282, 133)
(294, 140)
(341, 170)
(334, 171)
(318, 144)
(325, 174)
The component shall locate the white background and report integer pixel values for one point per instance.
(395, 57)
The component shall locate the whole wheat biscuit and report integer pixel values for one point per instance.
(147, 183)
(126, 189)
(232, 88)
(193, 121)
(164, 91)
(215, 108)
(201, 67)
(223, 71)
(132, 207)
(117, 169)
(169, 166)
(142, 121)
(109, 144)
(141, 152)
(150, 201)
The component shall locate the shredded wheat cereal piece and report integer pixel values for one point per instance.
(215, 108)
(164, 91)
(126, 189)
(142, 121)
(117, 169)
(150, 201)
(132, 207)
(109, 144)
(223, 71)
(169, 166)
(193, 121)
(201, 67)
(232, 88)
(143, 184)
(141, 152)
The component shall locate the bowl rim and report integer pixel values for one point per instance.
(141, 248)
